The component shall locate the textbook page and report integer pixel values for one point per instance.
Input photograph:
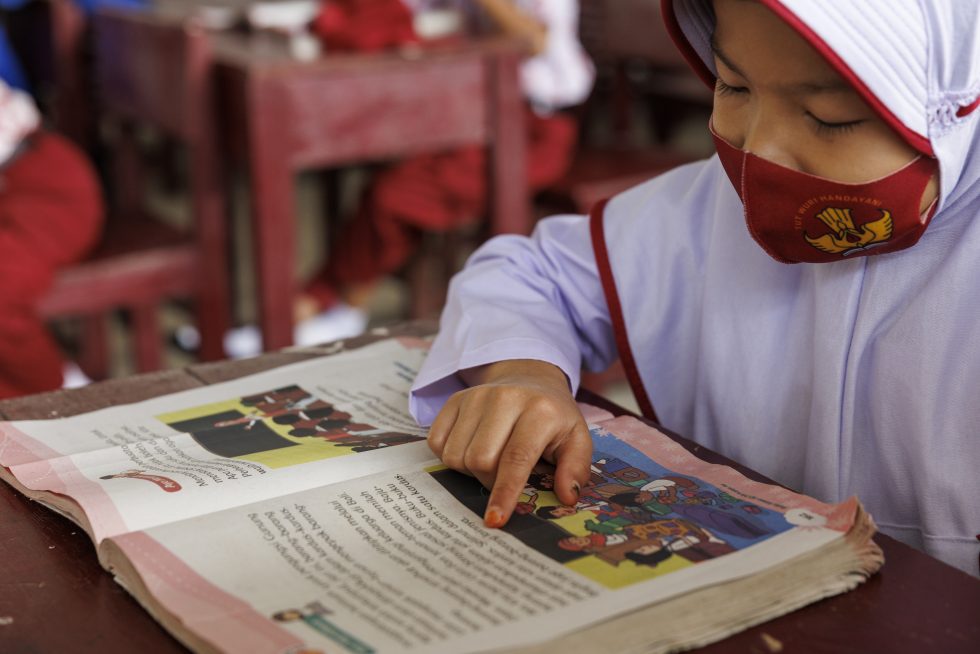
(401, 561)
(300, 426)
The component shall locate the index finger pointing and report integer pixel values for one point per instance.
(517, 460)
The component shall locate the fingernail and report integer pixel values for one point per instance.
(576, 489)
(494, 518)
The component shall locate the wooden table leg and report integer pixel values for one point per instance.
(147, 341)
(510, 201)
(273, 225)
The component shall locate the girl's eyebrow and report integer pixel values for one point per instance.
(834, 85)
(716, 50)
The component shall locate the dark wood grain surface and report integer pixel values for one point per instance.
(54, 596)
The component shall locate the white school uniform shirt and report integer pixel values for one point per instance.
(562, 74)
(860, 377)
(18, 118)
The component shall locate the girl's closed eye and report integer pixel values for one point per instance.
(723, 89)
(834, 128)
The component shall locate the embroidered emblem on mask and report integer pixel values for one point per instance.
(844, 237)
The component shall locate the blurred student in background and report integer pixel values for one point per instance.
(443, 191)
(50, 214)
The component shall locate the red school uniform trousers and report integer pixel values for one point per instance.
(51, 213)
(431, 193)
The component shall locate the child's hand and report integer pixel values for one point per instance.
(520, 412)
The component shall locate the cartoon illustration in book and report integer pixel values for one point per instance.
(166, 483)
(619, 470)
(239, 439)
(282, 427)
(281, 396)
(554, 512)
(635, 519)
(540, 480)
(322, 423)
(285, 412)
(386, 439)
(314, 615)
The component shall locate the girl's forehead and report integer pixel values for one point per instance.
(748, 34)
(754, 43)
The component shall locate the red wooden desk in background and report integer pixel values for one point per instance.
(54, 597)
(282, 115)
(279, 115)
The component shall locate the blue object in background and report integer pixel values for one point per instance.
(91, 5)
(11, 70)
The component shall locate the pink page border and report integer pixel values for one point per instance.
(63, 477)
(40, 468)
(213, 614)
(16, 447)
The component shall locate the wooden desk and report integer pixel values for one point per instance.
(54, 597)
(283, 115)
(279, 116)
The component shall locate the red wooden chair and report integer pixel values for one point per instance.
(71, 104)
(158, 75)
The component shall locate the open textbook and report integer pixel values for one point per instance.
(300, 510)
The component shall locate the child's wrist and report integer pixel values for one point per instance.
(517, 371)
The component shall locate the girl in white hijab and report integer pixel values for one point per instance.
(806, 302)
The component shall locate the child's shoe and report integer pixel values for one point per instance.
(73, 377)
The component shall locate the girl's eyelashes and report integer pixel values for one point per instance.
(723, 89)
(829, 128)
(822, 127)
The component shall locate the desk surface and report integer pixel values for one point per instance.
(54, 597)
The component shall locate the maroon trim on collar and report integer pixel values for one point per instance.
(616, 311)
(682, 43)
(913, 138)
(968, 109)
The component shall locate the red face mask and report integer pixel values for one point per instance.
(802, 218)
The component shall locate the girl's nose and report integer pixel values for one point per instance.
(766, 138)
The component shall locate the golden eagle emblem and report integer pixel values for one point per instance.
(844, 237)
